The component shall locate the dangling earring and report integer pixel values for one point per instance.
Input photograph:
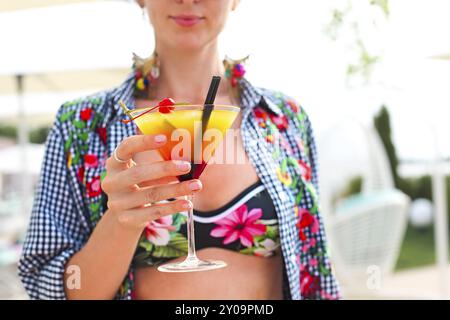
(234, 71)
(146, 72)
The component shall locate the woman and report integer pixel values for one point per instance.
(91, 233)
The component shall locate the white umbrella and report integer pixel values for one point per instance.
(27, 4)
(65, 52)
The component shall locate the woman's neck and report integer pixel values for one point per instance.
(186, 75)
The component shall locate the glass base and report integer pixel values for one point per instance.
(191, 265)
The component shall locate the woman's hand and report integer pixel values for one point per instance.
(132, 188)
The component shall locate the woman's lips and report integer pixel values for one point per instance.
(186, 20)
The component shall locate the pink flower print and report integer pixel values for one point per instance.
(300, 144)
(103, 160)
(240, 224)
(313, 262)
(305, 248)
(326, 295)
(157, 231)
(285, 144)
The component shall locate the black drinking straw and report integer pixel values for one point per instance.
(206, 114)
(209, 102)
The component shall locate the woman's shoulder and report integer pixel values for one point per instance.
(95, 110)
(85, 108)
(81, 127)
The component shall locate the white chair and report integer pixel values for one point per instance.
(366, 235)
(365, 230)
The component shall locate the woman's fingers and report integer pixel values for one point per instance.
(141, 216)
(154, 194)
(127, 179)
(158, 182)
(131, 188)
(132, 145)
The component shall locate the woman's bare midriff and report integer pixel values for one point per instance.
(245, 277)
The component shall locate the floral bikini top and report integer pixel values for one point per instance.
(247, 224)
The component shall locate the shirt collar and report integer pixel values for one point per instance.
(250, 96)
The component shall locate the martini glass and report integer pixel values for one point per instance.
(182, 125)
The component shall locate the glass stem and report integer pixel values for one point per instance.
(190, 230)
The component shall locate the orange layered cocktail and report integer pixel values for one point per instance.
(182, 125)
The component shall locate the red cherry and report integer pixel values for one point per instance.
(166, 102)
(165, 109)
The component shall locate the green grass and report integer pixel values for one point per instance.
(417, 248)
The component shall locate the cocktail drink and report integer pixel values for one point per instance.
(189, 138)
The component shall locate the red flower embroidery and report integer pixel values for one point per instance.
(90, 161)
(93, 187)
(80, 174)
(280, 121)
(309, 284)
(102, 134)
(260, 113)
(306, 220)
(86, 114)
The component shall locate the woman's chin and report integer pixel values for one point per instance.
(189, 42)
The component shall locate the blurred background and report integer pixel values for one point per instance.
(374, 76)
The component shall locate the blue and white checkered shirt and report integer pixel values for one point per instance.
(277, 137)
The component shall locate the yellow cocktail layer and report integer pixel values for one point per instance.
(190, 121)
